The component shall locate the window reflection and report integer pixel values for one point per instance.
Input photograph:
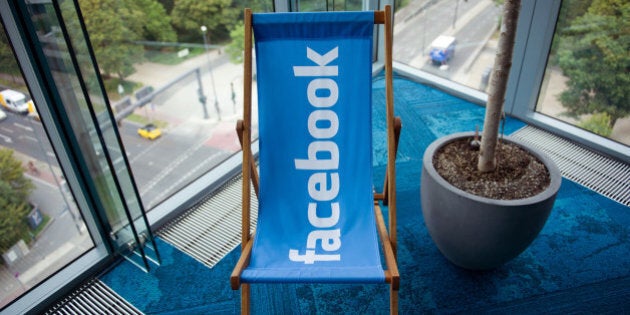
(41, 228)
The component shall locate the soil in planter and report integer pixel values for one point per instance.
(518, 175)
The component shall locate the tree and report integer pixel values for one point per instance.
(8, 64)
(236, 47)
(217, 15)
(598, 123)
(12, 172)
(14, 191)
(156, 23)
(114, 25)
(593, 54)
(496, 96)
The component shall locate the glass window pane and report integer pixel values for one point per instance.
(41, 228)
(453, 39)
(174, 81)
(328, 5)
(587, 80)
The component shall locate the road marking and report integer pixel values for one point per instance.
(7, 129)
(6, 138)
(29, 138)
(51, 154)
(169, 190)
(23, 127)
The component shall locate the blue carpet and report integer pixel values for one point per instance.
(578, 264)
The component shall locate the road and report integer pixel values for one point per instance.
(23, 133)
(161, 167)
(418, 24)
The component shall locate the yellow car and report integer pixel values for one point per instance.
(149, 131)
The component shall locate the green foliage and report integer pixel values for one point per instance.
(156, 23)
(13, 225)
(8, 64)
(143, 120)
(598, 123)
(217, 15)
(593, 54)
(12, 173)
(113, 26)
(14, 191)
(237, 45)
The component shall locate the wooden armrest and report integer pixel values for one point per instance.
(241, 264)
(391, 275)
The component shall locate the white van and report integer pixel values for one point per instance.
(14, 101)
(442, 49)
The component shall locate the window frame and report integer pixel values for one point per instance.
(93, 259)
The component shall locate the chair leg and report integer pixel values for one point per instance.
(245, 296)
(393, 301)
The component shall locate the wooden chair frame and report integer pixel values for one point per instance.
(388, 196)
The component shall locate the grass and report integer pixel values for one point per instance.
(143, 120)
(11, 84)
(42, 225)
(111, 87)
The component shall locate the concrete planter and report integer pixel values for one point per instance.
(480, 233)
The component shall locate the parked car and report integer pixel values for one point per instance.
(14, 101)
(149, 131)
(3, 115)
(442, 49)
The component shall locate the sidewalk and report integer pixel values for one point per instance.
(224, 72)
(41, 171)
(181, 105)
(157, 75)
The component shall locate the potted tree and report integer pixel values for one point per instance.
(485, 200)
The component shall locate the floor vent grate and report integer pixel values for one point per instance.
(93, 297)
(602, 174)
(211, 229)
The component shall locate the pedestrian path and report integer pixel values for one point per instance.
(40, 171)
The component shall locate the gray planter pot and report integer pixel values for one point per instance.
(480, 233)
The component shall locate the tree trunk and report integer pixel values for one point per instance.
(494, 107)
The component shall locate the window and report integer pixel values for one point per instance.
(175, 86)
(553, 35)
(42, 228)
(327, 5)
(587, 81)
(452, 39)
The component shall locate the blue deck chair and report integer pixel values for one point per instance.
(319, 219)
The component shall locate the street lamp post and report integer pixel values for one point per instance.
(455, 15)
(204, 29)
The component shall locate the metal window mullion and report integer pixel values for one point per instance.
(84, 89)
